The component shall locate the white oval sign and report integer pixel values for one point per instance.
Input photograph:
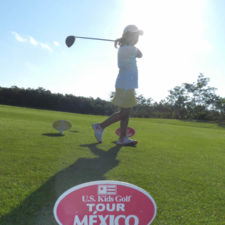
(105, 203)
(62, 125)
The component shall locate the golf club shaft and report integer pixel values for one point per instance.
(100, 39)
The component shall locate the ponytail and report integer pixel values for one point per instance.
(119, 41)
(123, 40)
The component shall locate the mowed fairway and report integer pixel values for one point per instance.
(181, 164)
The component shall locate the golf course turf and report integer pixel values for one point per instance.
(180, 163)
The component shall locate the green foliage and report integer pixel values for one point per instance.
(196, 101)
(44, 99)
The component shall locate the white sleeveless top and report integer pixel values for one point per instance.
(128, 72)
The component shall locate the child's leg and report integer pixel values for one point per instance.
(112, 119)
(118, 116)
(124, 122)
(123, 114)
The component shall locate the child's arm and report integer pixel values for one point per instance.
(139, 53)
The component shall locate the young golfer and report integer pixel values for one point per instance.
(126, 83)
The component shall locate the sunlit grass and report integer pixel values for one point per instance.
(181, 164)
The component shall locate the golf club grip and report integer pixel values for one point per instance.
(100, 39)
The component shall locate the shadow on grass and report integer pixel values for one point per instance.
(53, 134)
(74, 131)
(217, 123)
(221, 124)
(132, 146)
(37, 209)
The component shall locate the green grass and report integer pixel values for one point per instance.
(181, 164)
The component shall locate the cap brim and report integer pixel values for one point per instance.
(140, 32)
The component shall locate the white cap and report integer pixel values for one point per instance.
(132, 28)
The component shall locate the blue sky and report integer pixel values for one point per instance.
(181, 39)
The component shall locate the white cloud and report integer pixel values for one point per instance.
(33, 41)
(19, 37)
(47, 47)
(56, 43)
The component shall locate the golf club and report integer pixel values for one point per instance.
(71, 39)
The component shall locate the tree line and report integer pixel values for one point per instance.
(44, 99)
(189, 101)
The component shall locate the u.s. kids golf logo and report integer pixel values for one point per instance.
(105, 203)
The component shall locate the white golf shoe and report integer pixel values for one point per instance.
(126, 141)
(98, 131)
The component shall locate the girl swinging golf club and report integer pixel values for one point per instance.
(126, 83)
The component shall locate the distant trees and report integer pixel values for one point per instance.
(220, 107)
(193, 100)
(196, 101)
(44, 99)
(189, 101)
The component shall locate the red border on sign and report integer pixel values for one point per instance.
(103, 182)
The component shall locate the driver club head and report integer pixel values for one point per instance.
(70, 40)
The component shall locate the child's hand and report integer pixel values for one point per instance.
(139, 53)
